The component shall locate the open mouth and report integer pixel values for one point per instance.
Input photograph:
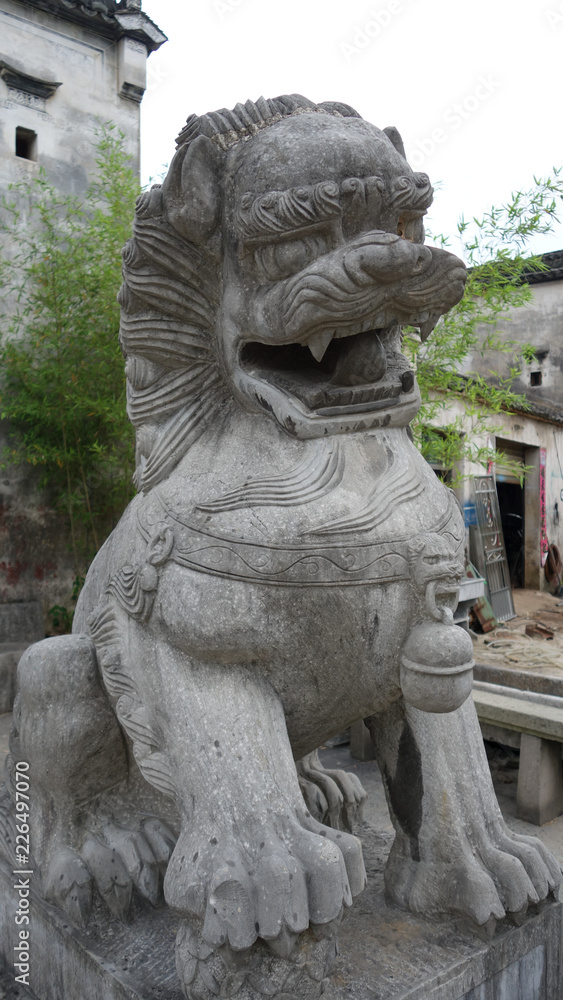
(337, 372)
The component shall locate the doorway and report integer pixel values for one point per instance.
(511, 503)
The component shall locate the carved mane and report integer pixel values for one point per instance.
(170, 296)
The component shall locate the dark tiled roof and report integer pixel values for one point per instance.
(546, 410)
(554, 263)
(109, 17)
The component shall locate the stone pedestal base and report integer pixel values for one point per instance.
(385, 954)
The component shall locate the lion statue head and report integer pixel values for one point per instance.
(276, 265)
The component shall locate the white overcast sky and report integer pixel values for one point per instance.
(474, 86)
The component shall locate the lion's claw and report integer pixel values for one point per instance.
(69, 885)
(161, 840)
(334, 797)
(137, 858)
(110, 875)
(295, 874)
(116, 862)
(508, 876)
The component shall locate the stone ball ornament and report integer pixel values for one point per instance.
(437, 667)
(289, 565)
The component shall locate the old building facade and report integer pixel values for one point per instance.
(532, 511)
(66, 67)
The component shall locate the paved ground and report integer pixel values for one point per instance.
(508, 646)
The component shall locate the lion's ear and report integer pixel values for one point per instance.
(394, 135)
(191, 191)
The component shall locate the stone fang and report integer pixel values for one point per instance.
(319, 343)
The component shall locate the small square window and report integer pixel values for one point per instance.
(26, 143)
(535, 378)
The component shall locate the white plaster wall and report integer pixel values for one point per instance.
(86, 64)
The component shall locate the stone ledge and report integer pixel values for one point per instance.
(535, 714)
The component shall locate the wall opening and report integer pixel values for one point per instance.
(511, 501)
(535, 378)
(26, 143)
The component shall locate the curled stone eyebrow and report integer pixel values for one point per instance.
(277, 212)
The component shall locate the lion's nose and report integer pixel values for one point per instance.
(388, 262)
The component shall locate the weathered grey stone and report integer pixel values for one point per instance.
(289, 566)
(540, 780)
(361, 744)
(539, 715)
(523, 680)
(21, 622)
(10, 654)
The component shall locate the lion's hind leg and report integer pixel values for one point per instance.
(66, 735)
(334, 796)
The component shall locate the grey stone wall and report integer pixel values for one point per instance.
(539, 323)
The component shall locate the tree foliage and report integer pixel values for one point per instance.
(495, 248)
(62, 387)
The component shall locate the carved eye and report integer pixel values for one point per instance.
(411, 227)
(280, 260)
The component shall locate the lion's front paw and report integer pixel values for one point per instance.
(485, 877)
(115, 863)
(273, 883)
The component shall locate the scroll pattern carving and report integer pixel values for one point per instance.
(306, 566)
(310, 481)
(398, 487)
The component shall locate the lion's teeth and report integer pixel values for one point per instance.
(427, 327)
(319, 343)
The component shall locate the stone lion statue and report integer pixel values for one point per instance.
(289, 565)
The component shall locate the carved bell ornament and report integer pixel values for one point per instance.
(437, 667)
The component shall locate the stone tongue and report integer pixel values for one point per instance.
(361, 360)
